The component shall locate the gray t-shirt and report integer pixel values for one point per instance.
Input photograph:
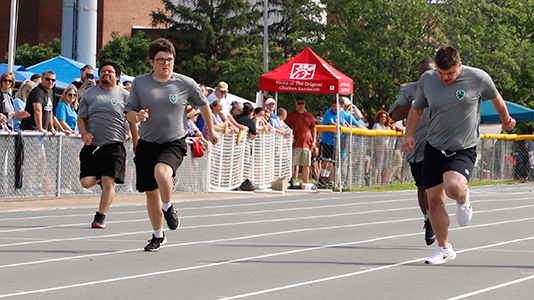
(454, 108)
(406, 96)
(104, 114)
(167, 106)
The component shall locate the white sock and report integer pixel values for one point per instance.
(327, 174)
(323, 171)
(166, 206)
(158, 233)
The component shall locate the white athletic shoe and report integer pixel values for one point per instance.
(464, 213)
(441, 256)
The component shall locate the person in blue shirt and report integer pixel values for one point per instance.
(326, 149)
(66, 109)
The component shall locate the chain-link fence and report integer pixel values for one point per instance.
(37, 166)
(369, 158)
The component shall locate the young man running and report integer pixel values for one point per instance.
(453, 93)
(158, 101)
(102, 124)
(399, 111)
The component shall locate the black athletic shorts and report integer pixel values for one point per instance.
(107, 160)
(326, 152)
(437, 162)
(417, 173)
(149, 154)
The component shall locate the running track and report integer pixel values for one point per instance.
(299, 246)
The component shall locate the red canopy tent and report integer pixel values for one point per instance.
(307, 73)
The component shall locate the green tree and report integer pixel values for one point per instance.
(296, 23)
(131, 53)
(207, 31)
(498, 37)
(378, 43)
(28, 56)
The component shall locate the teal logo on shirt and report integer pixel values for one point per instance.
(114, 101)
(460, 94)
(173, 98)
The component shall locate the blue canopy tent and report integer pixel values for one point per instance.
(66, 69)
(20, 72)
(520, 113)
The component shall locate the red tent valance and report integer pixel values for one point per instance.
(307, 73)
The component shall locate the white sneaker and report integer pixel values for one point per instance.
(441, 256)
(464, 212)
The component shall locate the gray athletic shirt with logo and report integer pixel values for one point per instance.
(454, 108)
(406, 96)
(104, 113)
(167, 106)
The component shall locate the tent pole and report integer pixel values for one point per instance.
(338, 144)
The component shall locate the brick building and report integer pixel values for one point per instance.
(40, 20)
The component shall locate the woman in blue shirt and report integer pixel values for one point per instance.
(66, 109)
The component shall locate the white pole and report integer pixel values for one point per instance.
(87, 23)
(68, 29)
(12, 35)
(265, 37)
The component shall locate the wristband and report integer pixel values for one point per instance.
(83, 136)
(508, 122)
(137, 118)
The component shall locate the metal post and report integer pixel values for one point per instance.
(265, 37)
(12, 35)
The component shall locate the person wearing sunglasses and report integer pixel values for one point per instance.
(304, 136)
(8, 113)
(40, 107)
(66, 109)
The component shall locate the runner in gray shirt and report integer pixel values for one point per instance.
(452, 93)
(103, 127)
(399, 111)
(158, 101)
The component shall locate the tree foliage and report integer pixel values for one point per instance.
(131, 53)
(295, 22)
(28, 56)
(207, 31)
(378, 43)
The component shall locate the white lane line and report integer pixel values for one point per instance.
(90, 283)
(346, 197)
(243, 238)
(222, 240)
(371, 270)
(491, 288)
(180, 209)
(217, 215)
(258, 212)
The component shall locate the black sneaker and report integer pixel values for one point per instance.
(172, 219)
(155, 243)
(430, 237)
(99, 221)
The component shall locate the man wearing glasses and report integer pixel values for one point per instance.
(158, 101)
(103, 126)
(40, 105)
(304, 135)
